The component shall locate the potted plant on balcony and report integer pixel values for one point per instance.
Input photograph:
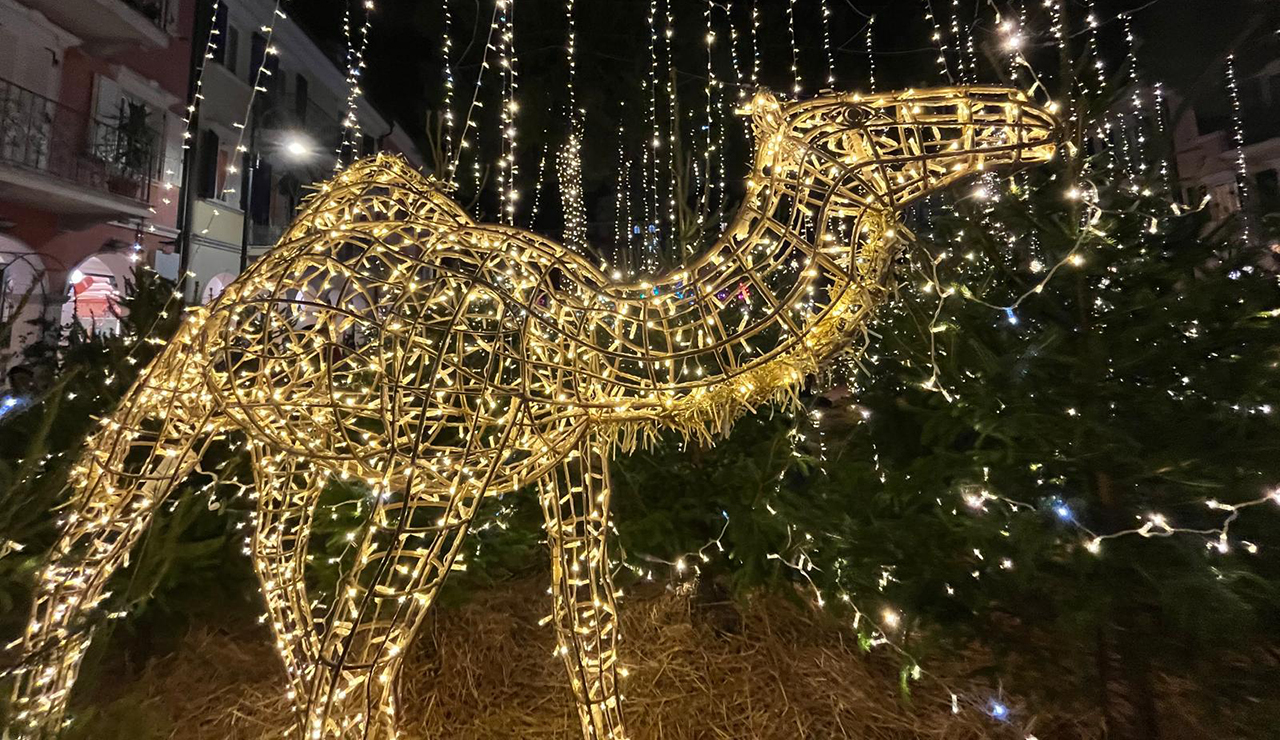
(132, 146)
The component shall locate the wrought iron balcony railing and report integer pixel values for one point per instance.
(40, 134)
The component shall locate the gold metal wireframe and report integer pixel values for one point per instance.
(390, 338)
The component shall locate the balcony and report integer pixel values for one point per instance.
(63, 160)
(111, 25)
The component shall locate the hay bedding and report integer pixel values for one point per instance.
(486, 671)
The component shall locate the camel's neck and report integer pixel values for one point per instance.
(771, 299)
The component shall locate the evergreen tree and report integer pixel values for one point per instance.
(1039, 454)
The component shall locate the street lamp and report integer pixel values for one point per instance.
(297, 146)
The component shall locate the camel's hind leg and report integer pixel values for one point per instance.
(575, 501)
(288, 490)
(410, 544)
(143, 450)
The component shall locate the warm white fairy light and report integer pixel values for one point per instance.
(1159, 115)
(652, 156)
(1097, 63)
(871, 54)
(211, 46)
(970, 52)
(259, 86)
(508, 168)
(1135, 97)
(446, 54)
(569, 159)
(1237, 137)
(673, 104)
(341, 146)
(958, 36)
(797, 82)
(826, 43)
(939, 40)
(468, 121)
(571, 56)
(755, 43)
(621, 233)
(738, 77)
(351, 129)
(569, 176)
(537, 185)
(714, 186)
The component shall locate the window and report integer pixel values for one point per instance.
(129, 131)
(257, 50)
(207, 169)
(300, 99)
(368, 145)
(232, 43)
(271, 64)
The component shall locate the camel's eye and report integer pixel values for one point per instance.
(854, 116)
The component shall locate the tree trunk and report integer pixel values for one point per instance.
(1125, 675)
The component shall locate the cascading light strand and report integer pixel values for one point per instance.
(939, 41)
(1237, 137)
(825, 9)
(652, 155)
(797, 82)
(446, 56)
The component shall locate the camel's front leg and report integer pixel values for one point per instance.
(575, 501)
(139, 455)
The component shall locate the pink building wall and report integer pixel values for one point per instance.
(62, 247)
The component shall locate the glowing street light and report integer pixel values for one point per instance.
(297, 146)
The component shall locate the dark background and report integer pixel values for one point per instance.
(1183, 43)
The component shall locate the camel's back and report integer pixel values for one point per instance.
(377, 330)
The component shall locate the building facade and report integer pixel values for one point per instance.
(93, 118)
(91, 104)
(249, 181)
(1208, 160)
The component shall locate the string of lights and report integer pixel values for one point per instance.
(446, 55)
(468, 121)
(508, 169)
(797, 80)
(1237, 138)
(260, 76)
(871, 54)
(652, 155)
(826, 44)
(939, 41)
(755, 43)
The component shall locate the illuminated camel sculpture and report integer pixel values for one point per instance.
(391, 338)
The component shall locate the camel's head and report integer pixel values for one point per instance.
(888, 150)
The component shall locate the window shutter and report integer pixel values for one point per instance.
(207, 171)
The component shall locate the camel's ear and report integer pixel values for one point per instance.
(766, 113)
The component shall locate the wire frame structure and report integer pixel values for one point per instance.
(391, 338)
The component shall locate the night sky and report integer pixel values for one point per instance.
(1181, 42)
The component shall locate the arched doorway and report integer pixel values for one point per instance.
(94, 289)
(23, 296)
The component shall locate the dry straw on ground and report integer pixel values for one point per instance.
(486, 671)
